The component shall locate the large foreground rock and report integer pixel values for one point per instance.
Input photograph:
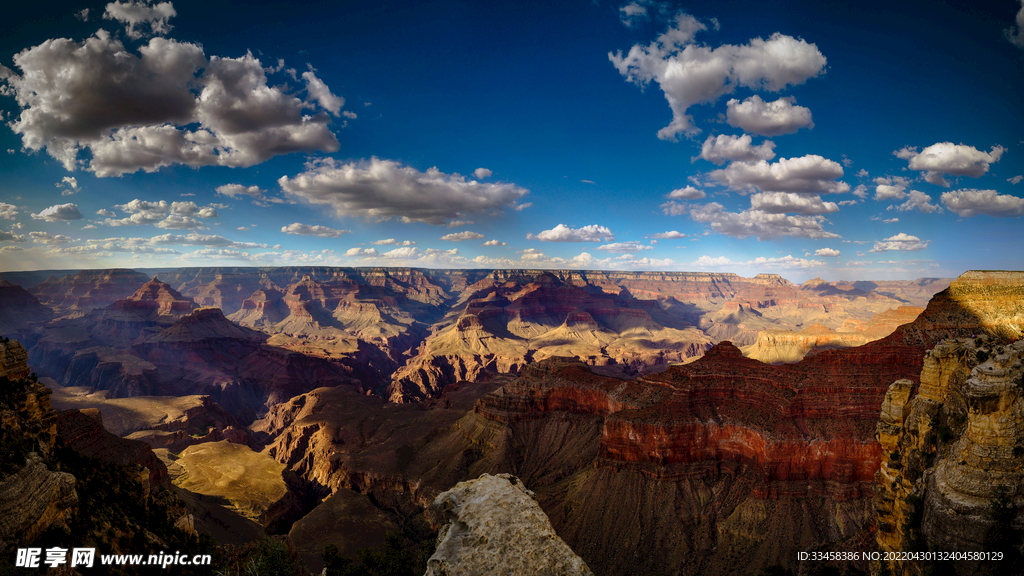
(496, 527)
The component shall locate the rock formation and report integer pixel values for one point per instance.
(76, 294)
(950, 450)
(21, 314)
(494, 526)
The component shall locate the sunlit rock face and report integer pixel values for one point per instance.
(951, 449)
(494, 526)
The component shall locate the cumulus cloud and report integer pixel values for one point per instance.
(763, 225)
(393, 242)
(708, 261)
(139, 111)
(162, 214)
(891, 188)
(687, 193)
(307, 230)
(190, 239)
(457, 223)
(639, 11)
(409, 253)
(968, 203)
(362, 252)
(901, 242)
(754, 115)
(50, 239)
(563, 233)
(8, 211)
(861, 191)
(673, 235)
(827, 252)
(1015, 34)
(674, 208)
(59, 213)
(460, 236)
(384, 189)
(719, 149)
(495, 243)
(890, 221)
(949, 158)
(140, 15)
(621, 247)
(68, 186)
(482, 173)
(690, 73)
(319, 92)
(919, 200)
(237, 190)
(782, 202)
(11, 236)
(809, 174)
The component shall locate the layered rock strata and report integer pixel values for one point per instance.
(494, 526)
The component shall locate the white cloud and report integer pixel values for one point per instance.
(768, 118)
(785, 262)
(11, 236)
(521, 207)
(460, 236)
(563, 233)
(689, 73)
(949, 158)
(362, 252)
(638, 11)
(191, 239)
(403, 253)
(673, 235)
(243, 228)
(891, 187)
(848, 202)
(901, 242)
(674, 208)
(50, 239)
(1016, 179)
(307, 230)
(758, 223)
(782, 202)
(969, 203)
(319, 92)
(457, 223)
(708, 261)
(384, 189)
(130, 109)
(719, 149)
(861, 191)
(393, 242)
(1015, 34)
(82, 15)
(919, 200)
(59, 213)
(890, 221)
(349, 114)
(137, 15)
(174, 215)
(236, 190)
(807, 174)
(69, 186)
(621, 247)
(482, 173)
(827, 252)
(687, 193)
(495, 243)
(8, 211)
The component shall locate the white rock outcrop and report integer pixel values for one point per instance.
(495, 527)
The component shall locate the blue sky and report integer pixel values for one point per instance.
(864, 141)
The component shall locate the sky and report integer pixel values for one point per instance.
(809, 139)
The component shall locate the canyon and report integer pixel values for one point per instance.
(666, 423)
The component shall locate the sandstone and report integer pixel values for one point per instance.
(496, 527)
(32, 500)
(76, 294)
